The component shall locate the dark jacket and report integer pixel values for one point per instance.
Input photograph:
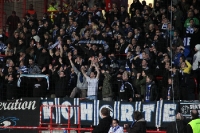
(11, 90)
(169, 89)
(39, 88)
(61, 87)
(126, 90)
(103, 126)
(138, 127)
(43, 60)
(153, 94)
(180, 124)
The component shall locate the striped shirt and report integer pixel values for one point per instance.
(23, 69)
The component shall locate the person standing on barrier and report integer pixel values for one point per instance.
(139, 124)
(104, 123)
(194, 125)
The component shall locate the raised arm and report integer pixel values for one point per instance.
(83, 72)
(72, 64)
(98, 72)
(51, 52)
(61, 48)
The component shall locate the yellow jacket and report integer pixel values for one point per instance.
(188, 68)
(51, 8)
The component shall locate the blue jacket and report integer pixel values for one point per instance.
(178, 55)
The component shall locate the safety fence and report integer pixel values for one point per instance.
(50, 125)
(68, 115)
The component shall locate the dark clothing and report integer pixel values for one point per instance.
(103, 126)
(72, 81)
(43, 60)
(135, 6)
(138, 127)
(151, 93)
(167, 93)
(11, 90)
(126, 90)
(14, 41)
(166, 75)
(61, 87)
(184, 85)
(194, 39)
(58, 17)
(177, 126)
(123, 15)
(3, 38)
(20, 48)
(12, 22)
(39, 88)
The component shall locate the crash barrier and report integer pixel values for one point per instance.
(49, 114)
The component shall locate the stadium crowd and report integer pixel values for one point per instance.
(112, 56)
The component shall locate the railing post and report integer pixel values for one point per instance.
(69, 119)
(51, 120)
(24, 8)
(40, 122)
(1, 13)
(79, 118)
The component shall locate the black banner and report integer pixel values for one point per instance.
(26, 112)
(187, 106)
(157, 114)
(21, 112)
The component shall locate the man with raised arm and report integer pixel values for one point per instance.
(81, 86)
(92, 81)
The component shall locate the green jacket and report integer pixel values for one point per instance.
(187, 22)
(107, 87)
(142, 84)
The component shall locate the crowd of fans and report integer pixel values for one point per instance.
(111, 56)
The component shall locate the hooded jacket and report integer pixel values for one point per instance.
(196, 58)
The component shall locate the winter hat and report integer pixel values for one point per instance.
(197, 47)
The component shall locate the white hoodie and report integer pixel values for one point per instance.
(196, 58)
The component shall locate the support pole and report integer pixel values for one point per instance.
(1, 13)
(24, 8)
(45, 6)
